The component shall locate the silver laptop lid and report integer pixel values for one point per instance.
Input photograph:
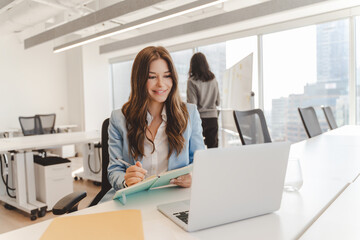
(231, 184)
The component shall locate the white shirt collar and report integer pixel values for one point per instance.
(149, 117)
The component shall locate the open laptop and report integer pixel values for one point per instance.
(231, 184)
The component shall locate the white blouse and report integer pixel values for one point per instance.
(157, 161)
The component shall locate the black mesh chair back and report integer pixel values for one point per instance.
(105, 185)
(329, 117)
(30, 126)
(252, 127)
(47, 122)
(310, 121)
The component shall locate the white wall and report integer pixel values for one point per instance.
(75, 84)
(31, 82)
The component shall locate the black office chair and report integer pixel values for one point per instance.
(30, 125)
(70, 202)
(329, 117)
(310, 121)
(252, 127)
(38, 124)
(47, 122)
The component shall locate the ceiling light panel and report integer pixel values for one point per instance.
(160, 17)
(172, 4)
(216, 9)
(89, 20)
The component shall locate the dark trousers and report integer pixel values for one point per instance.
(210, 131)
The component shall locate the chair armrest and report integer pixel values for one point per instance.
(69, 203)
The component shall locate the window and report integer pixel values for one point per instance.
(357, 71)
(181, 60)
(305, 67)
(121, 74)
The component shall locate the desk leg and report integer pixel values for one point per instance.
(20, 181)
(7, 171)
(91, 160)
(19, 176)
(30, 181)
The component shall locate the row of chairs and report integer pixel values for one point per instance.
(253, 129)
(38, 124)
(311, 121)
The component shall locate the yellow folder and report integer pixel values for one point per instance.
(123, 224)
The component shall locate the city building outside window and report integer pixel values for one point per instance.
(305, 67)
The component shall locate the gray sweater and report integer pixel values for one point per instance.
(205, 95)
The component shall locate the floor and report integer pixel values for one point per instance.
(14, 219)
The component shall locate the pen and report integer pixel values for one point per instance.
(127, 164)
(122, 161)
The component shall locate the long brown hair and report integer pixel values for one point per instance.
(136, 108)
(199, 68)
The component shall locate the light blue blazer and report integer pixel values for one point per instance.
(119, 145)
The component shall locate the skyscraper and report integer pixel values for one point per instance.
(330, 88)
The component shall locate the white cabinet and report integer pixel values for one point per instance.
(53, 180)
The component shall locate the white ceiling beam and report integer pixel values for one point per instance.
(221, 20)
(89, 20)
(178, 11)
(6, 4)
(51, 4)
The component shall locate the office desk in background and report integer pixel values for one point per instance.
(9, 132)
(326, 176)
(65, 128)
(24, 164)
(65, 151)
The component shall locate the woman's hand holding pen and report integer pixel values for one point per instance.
(182, 181)
(134, 174)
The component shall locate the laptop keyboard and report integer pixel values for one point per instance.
(183, 216)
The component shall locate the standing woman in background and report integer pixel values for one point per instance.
(203, 90)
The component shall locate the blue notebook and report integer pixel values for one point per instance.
(155, 181)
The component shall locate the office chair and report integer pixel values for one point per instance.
(252, 127)
(310, 121)
(30, 125)
(70, 202)
(47, 122)
(330, 119)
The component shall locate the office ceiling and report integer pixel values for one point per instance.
(27, 18)
(61, 21)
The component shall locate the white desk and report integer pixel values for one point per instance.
(324, 181)
(333, 155)
(24, 164)
(47, 140)
(341, 220)
(65, 128)
(9, 132)
(297, 211)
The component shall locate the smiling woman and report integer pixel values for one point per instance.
(159, 82)
(154, 131)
